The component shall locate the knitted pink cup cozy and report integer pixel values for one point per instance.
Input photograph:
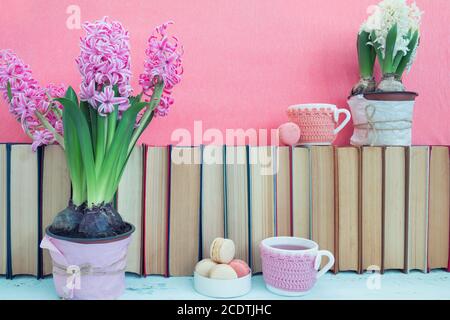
(316, 125)
(294, 273)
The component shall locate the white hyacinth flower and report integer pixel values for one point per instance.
(387, 14)
(374, 21)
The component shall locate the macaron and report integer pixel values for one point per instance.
(222, 272)
(289, 133)
(240, 267)
(222, 250)
(204, 266)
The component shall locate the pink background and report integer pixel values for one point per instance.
(245, 61)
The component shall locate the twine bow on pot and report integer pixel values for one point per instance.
(371, 124)
(74, 273)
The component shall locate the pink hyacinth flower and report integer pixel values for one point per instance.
(105, 61)
(87, 93)
(164, 64)
(27, 98)
(42, 137)
(107, 101)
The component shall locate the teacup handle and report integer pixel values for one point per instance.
(337, 112)
(318, 261)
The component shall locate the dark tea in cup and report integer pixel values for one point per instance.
(290, 247)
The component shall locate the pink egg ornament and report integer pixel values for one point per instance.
(289, 133)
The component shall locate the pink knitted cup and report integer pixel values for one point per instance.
(317, 122)
(291, 265)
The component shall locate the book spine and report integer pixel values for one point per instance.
(311, 195)
(336, 211)
(439, 208)
(428, 269)
(360, 206)
(311, 205)
(250, 255)
(275, 168)
(9, 271)
(144, 209)
(40, 161)
(225, 193)
(275, 191)
(200, 207)
(448, 264)
(417, 166)
(407, 210)
(169, 181)
(291, 193)
(383, 205)
(427, 209)
(371, 212)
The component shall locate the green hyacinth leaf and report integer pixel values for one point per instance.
(85, 110)
(407, 58)
(112, 120)
(398, 58)
(377, 48)
(148, 114)
(112, 123)
(100, 144)
(115, 159)
(74, 160)
(391, 39)
(74, 114)
(93, 118)
(366, 55)
(71, 95)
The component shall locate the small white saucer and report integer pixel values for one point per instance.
(285, 293)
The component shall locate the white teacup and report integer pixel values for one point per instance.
(291, 265)
(318, 122)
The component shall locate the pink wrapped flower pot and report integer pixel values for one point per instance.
(88, 269)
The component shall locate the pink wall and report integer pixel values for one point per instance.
(245, 60)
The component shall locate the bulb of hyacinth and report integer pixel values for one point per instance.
(366, 62)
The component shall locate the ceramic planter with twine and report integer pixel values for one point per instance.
(88, 269)
(382, 118)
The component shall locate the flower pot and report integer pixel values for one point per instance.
(382, 118)
(88, 269)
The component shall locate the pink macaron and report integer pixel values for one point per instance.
(240, 267)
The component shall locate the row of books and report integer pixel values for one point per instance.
(372, 207)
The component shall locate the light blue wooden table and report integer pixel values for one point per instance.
(345, 286)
